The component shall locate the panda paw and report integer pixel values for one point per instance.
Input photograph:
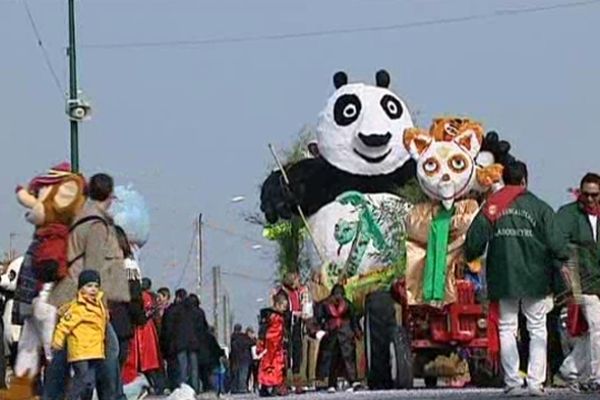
(277, 199)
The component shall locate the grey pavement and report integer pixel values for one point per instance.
(447, 394)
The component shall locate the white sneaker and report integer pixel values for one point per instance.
(143, 394)
(331, 389)
(515, 391)
(537, 392)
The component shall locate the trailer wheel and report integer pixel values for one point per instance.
(401, 360)
(431, 382)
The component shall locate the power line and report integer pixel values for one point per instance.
(343, 31)
(188, 258)
(245, 276)
(231, 232)
(44, 51)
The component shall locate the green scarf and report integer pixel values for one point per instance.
(434, 277)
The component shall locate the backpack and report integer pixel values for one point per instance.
(50, 262)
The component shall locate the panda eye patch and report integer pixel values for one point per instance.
(346, 109)
(391, 106)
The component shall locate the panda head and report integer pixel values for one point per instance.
(360, 130)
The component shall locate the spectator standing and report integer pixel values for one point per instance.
(93, 242)
(82, 327)
(147, 346)
(240, 359)
(168, 332)
(190, 330)
(296, 295)
(522, 238)
(272, 344)
(253, 373)
(163, 301)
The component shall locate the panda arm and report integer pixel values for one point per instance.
(404, 174)
(500, 149)
(310, 186)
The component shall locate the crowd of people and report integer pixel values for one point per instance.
(111, 328)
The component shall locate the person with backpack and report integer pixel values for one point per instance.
(523, 240)
(93, 241)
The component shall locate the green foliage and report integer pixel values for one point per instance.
(412, 192)
(290, 235)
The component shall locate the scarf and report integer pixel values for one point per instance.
(499, 201)
(434, 276)
(294, 298)
(336, 313)
(593, 210)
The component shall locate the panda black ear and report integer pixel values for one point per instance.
(382, 78)
(340, 79)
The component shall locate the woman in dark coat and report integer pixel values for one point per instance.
(189, 336)
(338, 347)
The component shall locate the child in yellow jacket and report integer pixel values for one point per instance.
(83, 327)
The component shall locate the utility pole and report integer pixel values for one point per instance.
(225, 319)
(216, 283)
(73, 88)
(199, 256)
(11, 250)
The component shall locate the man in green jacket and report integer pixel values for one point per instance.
(579, 221)
(522, 240)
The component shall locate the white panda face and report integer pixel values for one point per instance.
(360, 130)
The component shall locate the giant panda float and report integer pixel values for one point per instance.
(347, 191)
(359, 162)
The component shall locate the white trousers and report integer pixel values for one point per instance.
(583, 363)
(535, 311)
(36, 335)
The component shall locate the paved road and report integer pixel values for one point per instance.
(446, 394)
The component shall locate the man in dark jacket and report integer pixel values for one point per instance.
(579, 221)
(166, 338)
(188, 337)
(522, 240)
(240, 359)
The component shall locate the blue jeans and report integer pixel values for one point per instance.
(56, 376)
(110, 385)
(188, 368)
(84, 379)
(240, 379)
(220, 382)
(108, 374)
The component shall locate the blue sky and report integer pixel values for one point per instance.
(188, 126)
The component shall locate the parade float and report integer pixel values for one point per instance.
(366, 235)
(440, 292)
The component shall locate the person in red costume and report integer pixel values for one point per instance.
(338, 347)
(144, 355)
(272, 346)
(295, 294)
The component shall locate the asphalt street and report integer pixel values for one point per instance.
(446, 394)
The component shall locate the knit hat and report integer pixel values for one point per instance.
(86, 276)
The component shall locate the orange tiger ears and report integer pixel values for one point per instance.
(416, 141)
(448, 128)
(465, 132)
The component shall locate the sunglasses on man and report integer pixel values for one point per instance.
(593, 195)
